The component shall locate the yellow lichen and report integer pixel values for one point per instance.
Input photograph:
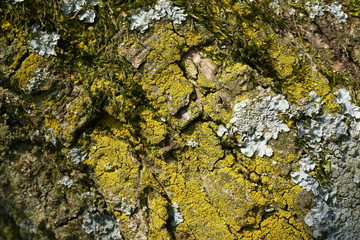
(202, 180)
(214, 109)
(168, 90)
(153, 130)
(5, 25)
(208, 150)
(197, 210)
(299, 90)
(27, 69)
(221, 194)
(166, 47)
(284, 59)
(158, 218)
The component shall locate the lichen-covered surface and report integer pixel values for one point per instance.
(179, 119)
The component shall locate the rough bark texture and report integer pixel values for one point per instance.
(117, 135)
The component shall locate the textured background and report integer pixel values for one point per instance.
(112, 133)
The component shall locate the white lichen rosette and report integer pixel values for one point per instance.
(78, 6)
(44, 42)
(257, 121)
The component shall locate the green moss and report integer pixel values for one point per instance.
(7, 233)
(352, 8)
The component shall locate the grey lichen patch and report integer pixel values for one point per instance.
(102, 226)
(318, 10)
(332, 149)
(163, 8)
(27, 226)
(312, 107)
(192, 143)
(315, 10)
(344, 99)
(338, 13)
(76, 155)
(44, 42)
(332, 140)
(40, 75)
(175, 216)
(85, 13)
(222, 130)
(124, 205)
(66, 181)
(257, 121)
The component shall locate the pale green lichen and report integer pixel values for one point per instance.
(44, 43)
(332, 146)
(163, 8)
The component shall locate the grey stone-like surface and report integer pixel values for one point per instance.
(335, 139)
(101, 225)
